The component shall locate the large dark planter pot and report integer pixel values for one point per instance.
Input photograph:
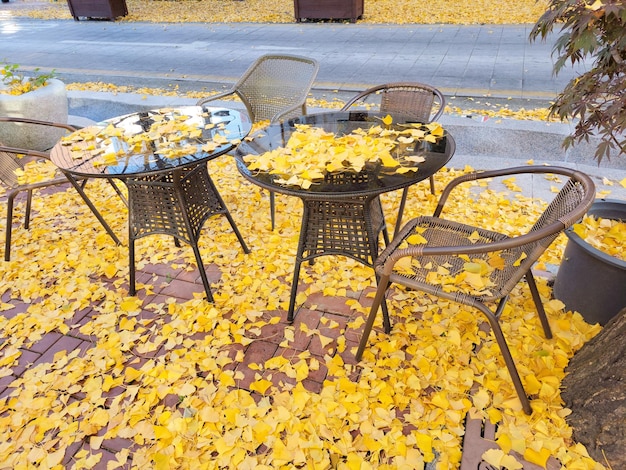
(328, 9)
(589, 281)
(103, 9)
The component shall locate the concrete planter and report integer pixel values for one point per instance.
(589, 281)
(48, 103)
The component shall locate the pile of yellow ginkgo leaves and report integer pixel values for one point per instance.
(312, 152)
(154, 381)
(606, 235)
(171, 134)
(282, 11)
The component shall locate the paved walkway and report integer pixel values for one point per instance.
(477, 60)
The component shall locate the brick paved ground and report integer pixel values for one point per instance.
(172, 281)
(330, 315)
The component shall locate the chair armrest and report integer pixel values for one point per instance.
(39, 122)
(224, 94)
(285, 112)
(25, 152)
(390, 256)
(445, 194)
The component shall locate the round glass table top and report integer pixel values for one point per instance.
(413, 159)
(145, 142)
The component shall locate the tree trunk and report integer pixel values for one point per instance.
(595, 390)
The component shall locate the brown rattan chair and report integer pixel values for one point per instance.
(274, 87)
(13, 160)
(446, 240)
(418, 101)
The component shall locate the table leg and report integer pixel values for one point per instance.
(95, 211)
(226, 212)
(405, 193)
(296, 270)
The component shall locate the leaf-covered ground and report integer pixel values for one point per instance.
(282, 11)
(166, 380)
(92, 378)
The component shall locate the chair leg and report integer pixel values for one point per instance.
(383, 285)
(273, 209)
(532, 285)
(29, 205)
(9, 227)
(506, 354)
(203, 276)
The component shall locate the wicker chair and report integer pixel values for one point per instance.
(274, 87)
(418, 101)
(12, 161)
(446, 240)
(10, 164)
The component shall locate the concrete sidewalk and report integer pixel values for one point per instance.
(482, 142)
(476, 60)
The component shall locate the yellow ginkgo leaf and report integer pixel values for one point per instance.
(519, 260)
(498, 459)
(537, 457)
(474, 237)
(416, 239)
(261, 386)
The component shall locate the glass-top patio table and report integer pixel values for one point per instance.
(161, 157)
(342, 212)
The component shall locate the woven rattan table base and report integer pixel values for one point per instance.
(348, 227)
(176, 203)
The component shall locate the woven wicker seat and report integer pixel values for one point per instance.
(446, 240)
(274, 87)
(10, 163)
(418, 101)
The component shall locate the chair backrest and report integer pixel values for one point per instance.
(9, 164)
(569, 205)
(13, 159)
(419, 101)
(276, 86)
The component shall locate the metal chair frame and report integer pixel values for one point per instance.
(274, 87)
(10, 163)
(419, 101)
(448, 239)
